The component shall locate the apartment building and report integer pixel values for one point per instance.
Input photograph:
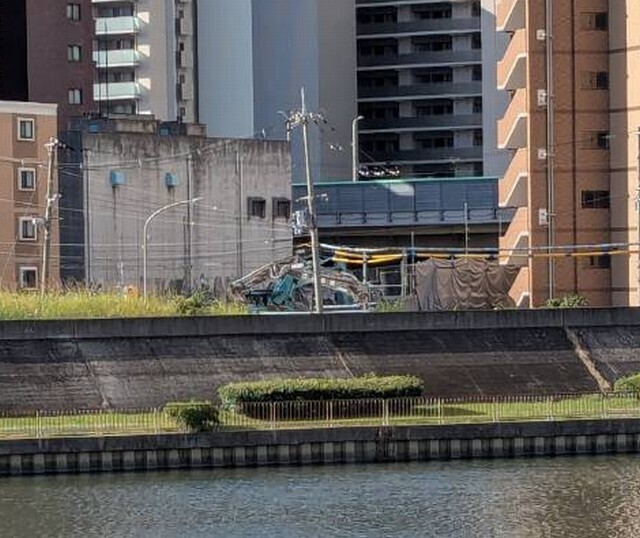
(45, 54)
(25, 128)
(420, 88)
(145, 58)
(558, 130)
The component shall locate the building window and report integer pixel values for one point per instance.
(28, 230)
(596, 140)
(27, 179)
(476, 41)
(75, 96)
(595, 21)
(74, 53)
(600, 262)
(281, 208)
(257, 207)
(73, 12)
(26, 129)
(477, 105)
(595, 199)
(477, 73)
(595, 80)
(28, 278)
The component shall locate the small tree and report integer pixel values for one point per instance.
(194, 416)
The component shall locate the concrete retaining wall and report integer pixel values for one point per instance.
(309, 447)
(58, 365)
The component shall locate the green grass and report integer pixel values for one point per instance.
(400, 413)
(81, 305)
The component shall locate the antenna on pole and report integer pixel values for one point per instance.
(303, 118)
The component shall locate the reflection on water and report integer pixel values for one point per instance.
(572, 497)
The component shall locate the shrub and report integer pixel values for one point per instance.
(628, 384)
(568, 301)
(195, 416)
(289, 390)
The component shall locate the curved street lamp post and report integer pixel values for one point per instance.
(145, 236)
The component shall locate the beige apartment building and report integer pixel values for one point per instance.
(25, 128)
(572, 70)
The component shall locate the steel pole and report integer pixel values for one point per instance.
(355, 148)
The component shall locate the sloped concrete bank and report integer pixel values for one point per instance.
(318, 446)
(88, 364)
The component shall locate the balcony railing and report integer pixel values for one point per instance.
(516, 239)
(418, 26)
(114, 91)
(117, 58)
(445, 89)
(510, 15)
(512, 129)
(513, 186)
(420, 59)
(445, 121)
(117, 25)
(437, 155)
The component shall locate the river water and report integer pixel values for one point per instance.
(572, 497)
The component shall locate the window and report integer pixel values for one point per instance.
(595, 21)
(257, 207)
(478, 138)
(477, 105)
(73, 12)
(600, 262)
(75, 96)
(27, 179)
(477, 73)
(74, 53)
(28, 278)
(28, 230)
(595, 199)
(26, 129)
(596, 140)
(595, 80)
(476, 41)
(281, 208)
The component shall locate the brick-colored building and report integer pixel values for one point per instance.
(25, 128)
(46, 54)
(566, 125)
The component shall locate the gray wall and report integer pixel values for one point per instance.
(226, 242)
(494, 102)
(255, 55)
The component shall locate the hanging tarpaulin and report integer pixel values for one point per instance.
(464, 284)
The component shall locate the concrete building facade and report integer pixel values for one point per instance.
(253, 58)
(45, 54)
(25, 128)
(421, 89)
(134, 167)
(145, 58)
(557, 128)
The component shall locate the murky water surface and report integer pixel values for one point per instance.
(581, 497)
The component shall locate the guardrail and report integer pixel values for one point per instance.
(328, 414)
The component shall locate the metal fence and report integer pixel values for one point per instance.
(328, 414)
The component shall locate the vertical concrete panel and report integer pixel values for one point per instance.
(414, 451)
(305, 454)
(455, 449)
(152, 460)
(129, 460)
(15, 465)
(61, 463)
(434, 449)
(84, 462)
(38, 464)
(196, 457)
(218, 457)
(328, 453)
(518, 447)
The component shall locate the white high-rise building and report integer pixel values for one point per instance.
(145, 61)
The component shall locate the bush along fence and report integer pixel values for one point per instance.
(204, 416)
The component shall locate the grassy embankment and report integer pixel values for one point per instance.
(81, 305)
(446, 412)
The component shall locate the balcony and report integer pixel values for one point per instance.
(513, 186)
(420, 59)
(418, 27)
(117, 91)
(427, 156)
(512, 129)
(510, 15)
(419, 91)
(519, 291)
(512, 70)
(117, 26)
(117, 58)
(425, 123)
(516, 240)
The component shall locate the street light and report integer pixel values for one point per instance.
(355, 148)
(144, 237)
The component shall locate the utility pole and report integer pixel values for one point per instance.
(302, 119)
(51, 146)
